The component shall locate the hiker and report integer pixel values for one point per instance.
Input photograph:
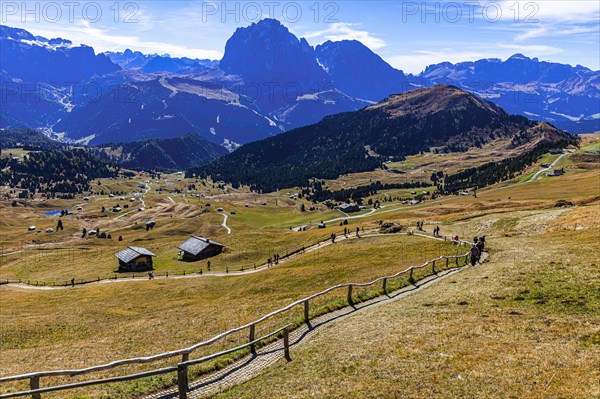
(481, 244)
(474, 254)
(72, 282)
(150, 275)
(269, 262)
(357, 231)
(455, 239)
(345, 232)
(332, 238)
(208, 265)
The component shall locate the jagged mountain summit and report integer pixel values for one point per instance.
(268, 81)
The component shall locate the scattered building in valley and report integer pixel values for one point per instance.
(135, 259)
(197, 248)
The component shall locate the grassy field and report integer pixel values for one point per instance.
(459, 328)
(96, 324)
(523, 325)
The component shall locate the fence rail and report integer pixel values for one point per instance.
(236, 268)
(182, 367)
(174, 273)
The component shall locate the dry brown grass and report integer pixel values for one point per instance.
(509, 329)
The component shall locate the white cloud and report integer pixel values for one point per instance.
(345, 31)
(103, 40)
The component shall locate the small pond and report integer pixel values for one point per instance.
(56, 212)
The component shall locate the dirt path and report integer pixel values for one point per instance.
(252, 365)
(224, 224)
(253, 270)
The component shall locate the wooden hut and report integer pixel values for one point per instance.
(196, 248)
(134, 259)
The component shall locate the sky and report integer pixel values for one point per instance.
(408, 35)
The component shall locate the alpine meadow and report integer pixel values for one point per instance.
(294, 200)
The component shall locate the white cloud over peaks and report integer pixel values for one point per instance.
(104, 40)
(345, 31)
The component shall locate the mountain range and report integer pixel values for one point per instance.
(442, 117)
(268, 82)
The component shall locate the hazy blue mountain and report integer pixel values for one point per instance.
(166, 107)
(359, 72)
(266, 55)
(152, 63)
(567, 96)
(56, 61)
(268, 81)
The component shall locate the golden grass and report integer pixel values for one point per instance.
(78, 327)
(524, 325)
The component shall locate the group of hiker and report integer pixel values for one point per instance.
(477, 249)
(436, 231)
(347, 231)
(273, 261)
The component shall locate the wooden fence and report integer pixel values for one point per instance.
(181, 368)
(237, 268)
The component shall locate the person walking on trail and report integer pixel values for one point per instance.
(332, 238)
(150, 275)
(455, 239)
(474, 254)
(72, 282)
(358, 231)
(481, 243)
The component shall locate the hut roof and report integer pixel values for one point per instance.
(130, 253)
(194, 245)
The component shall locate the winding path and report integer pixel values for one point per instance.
(224, 224)
(552, 165)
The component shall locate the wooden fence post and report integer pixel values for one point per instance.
(433, 267)
(34, 383)
(410, 277)
(350, 295)
(385, 286)
(286, 344)
(447, 260)
(306, 318)
(182, 385)
(456, 260)
(251, 338)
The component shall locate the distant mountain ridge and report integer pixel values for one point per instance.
(176, 153)
(443, 116)
(268, 81)
(566, 96)
(152, 63)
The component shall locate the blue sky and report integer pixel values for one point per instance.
(409, 35)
